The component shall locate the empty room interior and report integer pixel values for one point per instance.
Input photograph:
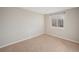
(39, 29)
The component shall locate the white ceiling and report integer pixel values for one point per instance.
(46, 10)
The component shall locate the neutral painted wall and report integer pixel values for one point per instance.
(71, 26)
(18, 24)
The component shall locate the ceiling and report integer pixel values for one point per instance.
(46, 10)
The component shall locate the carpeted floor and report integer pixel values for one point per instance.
(43, 43)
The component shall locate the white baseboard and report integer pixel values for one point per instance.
(37, 36)
(11, 43)
(64, 38)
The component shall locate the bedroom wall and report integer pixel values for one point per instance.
(71, 26)
(17, 24)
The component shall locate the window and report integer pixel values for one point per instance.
(54, 22)
(58, 20)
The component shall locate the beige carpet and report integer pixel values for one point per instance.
(43, 43)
